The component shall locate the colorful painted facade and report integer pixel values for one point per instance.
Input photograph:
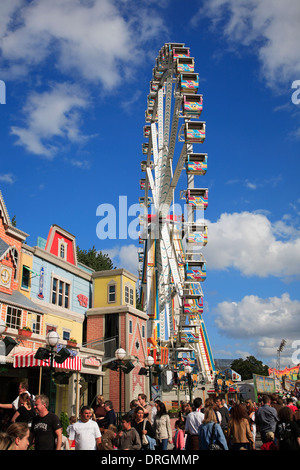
(44, 288)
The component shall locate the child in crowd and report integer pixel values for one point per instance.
(269, 445)
(179, 437)
(107, 437)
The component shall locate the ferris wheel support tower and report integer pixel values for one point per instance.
(172, 266)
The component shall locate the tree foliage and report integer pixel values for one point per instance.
(94, 259)
(249, 366)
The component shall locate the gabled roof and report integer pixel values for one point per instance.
(3, 211)
(52, 239)
(9, 228)
(17, 299)
(5, 248)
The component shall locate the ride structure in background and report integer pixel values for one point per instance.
(172, 266)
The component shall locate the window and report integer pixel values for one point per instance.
(60, 294)
(129, 295)
(112, 293)
(66, 335)
(130, 326)
(62, 247)
(50, 328)
(36, 323)
(13, 317)
(25, 283)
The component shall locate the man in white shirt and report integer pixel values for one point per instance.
(23, 388)
(193, 421)
(85, 431)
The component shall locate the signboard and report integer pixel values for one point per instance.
(41, 284)
(263, 385)
(231, 375)
(289, 384)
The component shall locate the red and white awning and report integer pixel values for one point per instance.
(28, 360)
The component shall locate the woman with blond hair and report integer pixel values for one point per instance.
(99, 409)
(210, 431)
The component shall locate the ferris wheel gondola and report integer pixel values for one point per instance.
(172, 268)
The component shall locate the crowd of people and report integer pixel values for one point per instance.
(212, 425)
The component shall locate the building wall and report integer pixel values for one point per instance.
(132, 334)
(120, 278)
(25, 260)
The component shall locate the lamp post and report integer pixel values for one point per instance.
(188, 370)
(52, 339)
(120, 354)
(149, 361)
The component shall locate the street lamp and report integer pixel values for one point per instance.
(188, 370)
(52, 339)
(149, 361)
(43, 354)
(120, 354)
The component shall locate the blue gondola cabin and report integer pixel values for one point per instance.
(185, 64)
(194, 132)
(195, 269)
(197, 197)
(180, 52)
(196, 163)
(192, 106)
(189, 82)
(145, 148)
(145, 165)
(147, 130)
(197, 234)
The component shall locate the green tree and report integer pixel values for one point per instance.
(249, 366)
(94, 259)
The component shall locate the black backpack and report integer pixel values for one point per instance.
(286, 437)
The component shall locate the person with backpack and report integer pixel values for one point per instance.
(210, 434)
(287, 431)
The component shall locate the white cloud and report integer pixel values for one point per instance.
(270, 28)
(102, 41)
(250, 243)
(254, 317)
(7, 178)
(262, 324)
(126, 257)
(49, 116)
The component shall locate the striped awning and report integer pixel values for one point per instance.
(28, 360)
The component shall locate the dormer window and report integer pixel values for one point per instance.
(62, 249)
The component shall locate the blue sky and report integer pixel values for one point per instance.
(77, 77)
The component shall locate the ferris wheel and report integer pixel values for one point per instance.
(172, 266)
